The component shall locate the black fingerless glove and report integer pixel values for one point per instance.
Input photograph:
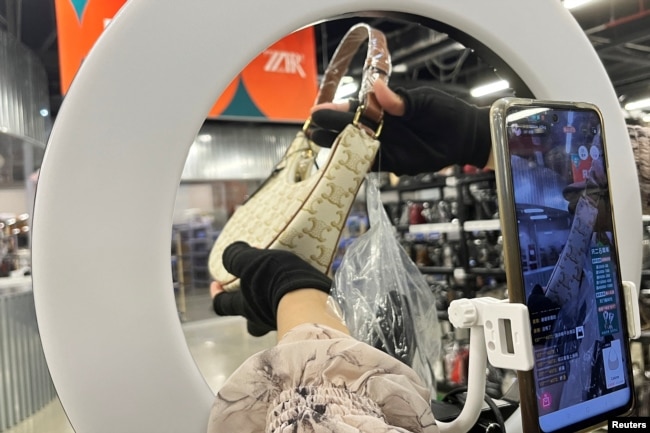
(436, 130)
(265, 277)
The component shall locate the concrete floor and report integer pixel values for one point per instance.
(218, 344)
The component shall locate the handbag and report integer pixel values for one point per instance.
(302, 207)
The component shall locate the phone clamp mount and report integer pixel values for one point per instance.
(500, 332)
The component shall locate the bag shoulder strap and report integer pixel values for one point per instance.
(377, 66)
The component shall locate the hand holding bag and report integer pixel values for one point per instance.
(303, 208)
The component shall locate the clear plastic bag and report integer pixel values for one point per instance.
(383, 298)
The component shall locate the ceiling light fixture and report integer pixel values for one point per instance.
(489, 88)
(345, 90)
(637, 105)
(572, 4)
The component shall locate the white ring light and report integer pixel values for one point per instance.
(104, 203)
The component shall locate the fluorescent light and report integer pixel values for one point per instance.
(400, 68)
(345, 90)
(572, 4)
(636, 105)
(204, 138)
(489, 88)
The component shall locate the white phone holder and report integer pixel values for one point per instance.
(506, 339)
(506, 328)
(631, 297)
(500, 330)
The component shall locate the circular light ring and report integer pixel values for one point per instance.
(105, 198)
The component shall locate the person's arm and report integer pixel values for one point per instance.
(306, 306)
(279, 291)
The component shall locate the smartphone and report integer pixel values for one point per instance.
(561, 261)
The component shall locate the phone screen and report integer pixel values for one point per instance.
(569, 269)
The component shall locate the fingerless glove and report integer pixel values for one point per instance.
(436, 130)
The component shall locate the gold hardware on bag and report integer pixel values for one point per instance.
(307, 159)
(357, 122)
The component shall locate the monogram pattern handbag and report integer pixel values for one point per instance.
(302, 207)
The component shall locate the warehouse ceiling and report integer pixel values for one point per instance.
(427, 53)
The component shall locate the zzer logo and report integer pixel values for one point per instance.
(284, 62)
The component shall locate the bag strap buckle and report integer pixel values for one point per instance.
(358, 115)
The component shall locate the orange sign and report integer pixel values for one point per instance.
(79, 23)
(280, 84)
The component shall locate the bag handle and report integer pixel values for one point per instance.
(377, 66)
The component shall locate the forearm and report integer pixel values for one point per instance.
(306, 306)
